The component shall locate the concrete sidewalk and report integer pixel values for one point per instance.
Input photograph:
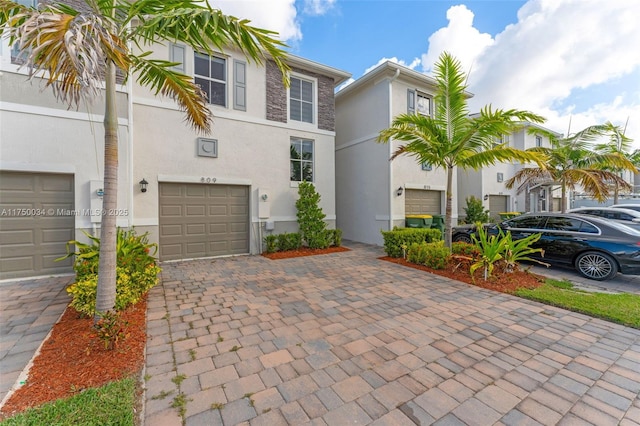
(348, 339)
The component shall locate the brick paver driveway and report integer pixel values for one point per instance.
(348, 339)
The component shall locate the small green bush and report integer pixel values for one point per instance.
(465, 249)
(437, 255)
(336, 237)
(271, 243)
(136, 270)
(475, 211)
(434, 255)
(399, 237)
(287, 242)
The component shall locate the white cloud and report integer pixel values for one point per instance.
(558, 48)
(459, 38)
(395, 60)
(275, 15)
(318, 7)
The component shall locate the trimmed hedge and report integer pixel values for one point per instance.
(399, 237)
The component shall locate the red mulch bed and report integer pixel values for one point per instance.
(458, 269)
(73, 359)
(303, 251)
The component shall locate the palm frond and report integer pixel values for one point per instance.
(159, 76)
(501, 154)
(70, 48)
(530, 176)
(597, 183)
(205, 29)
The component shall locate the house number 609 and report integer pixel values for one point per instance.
(208, 180)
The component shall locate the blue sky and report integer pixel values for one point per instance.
(572, 61)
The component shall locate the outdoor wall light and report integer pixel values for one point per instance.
(399, 191)
(143, 185)
(486, 197)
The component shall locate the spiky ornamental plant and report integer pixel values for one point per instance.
(452, 138)
(78, 51)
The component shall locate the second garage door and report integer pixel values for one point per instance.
(418, 201)
(198, 220)
(37, 221)
(497, 205)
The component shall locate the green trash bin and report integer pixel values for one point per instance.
(438, 223)
(418, 220)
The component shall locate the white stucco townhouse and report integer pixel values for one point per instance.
(487, 184)
(207, 195)
(373, 193)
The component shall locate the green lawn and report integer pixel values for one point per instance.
(621, 308)
(110, 405)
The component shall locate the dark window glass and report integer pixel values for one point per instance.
(566, 224)
(525, 222)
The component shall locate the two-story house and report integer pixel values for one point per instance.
(487, 184)
(372, 192)
(205, 195)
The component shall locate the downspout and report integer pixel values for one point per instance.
(390, 190)
(130, 143)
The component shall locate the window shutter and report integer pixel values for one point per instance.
(177, 54)
(411, 101)
(239, 85)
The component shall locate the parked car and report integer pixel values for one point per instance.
(615, 213)
(635, 207)
(596, 247)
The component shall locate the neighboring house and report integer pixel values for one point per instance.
(372, 192)
(487, 183)
(207, 195)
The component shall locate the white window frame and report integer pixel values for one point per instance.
(314, 91)
(300, 141)
(413, 102)
(538, 141)
(211, 79)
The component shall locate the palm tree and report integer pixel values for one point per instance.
(452, 138)
(574, 160)
(621, 144)
(78, 51)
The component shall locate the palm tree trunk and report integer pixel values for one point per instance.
(448, 207)
(563, 201)
(616, 192)
(106, 291)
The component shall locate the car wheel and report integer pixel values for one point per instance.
(596, 266)
(462, 238)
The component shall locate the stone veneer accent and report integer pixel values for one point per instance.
(277, 97)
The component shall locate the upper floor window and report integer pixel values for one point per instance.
(210, 73)
(18, 57)
(538, 141)
(501, 140)
(301, 100)
(301, 160)
(418, 102)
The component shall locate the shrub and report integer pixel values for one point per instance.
(336, 237)
(111, 329)
(311, 217)
(491, 248)
(399, 237)
(464, 249)
(271, 243)
(136, 270)
(291, 241)
(475, 211)
(434, 255)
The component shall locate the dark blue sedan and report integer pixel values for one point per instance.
(597, 248)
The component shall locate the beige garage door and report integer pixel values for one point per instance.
(34, 228)
(203, 220)
(497, 205)
(418, 201)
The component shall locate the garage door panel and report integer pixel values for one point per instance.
(171, 210)
(497, 204)
(196, 210)
(170, 230)
(167, 191)
(205, 221)
(31, 243)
